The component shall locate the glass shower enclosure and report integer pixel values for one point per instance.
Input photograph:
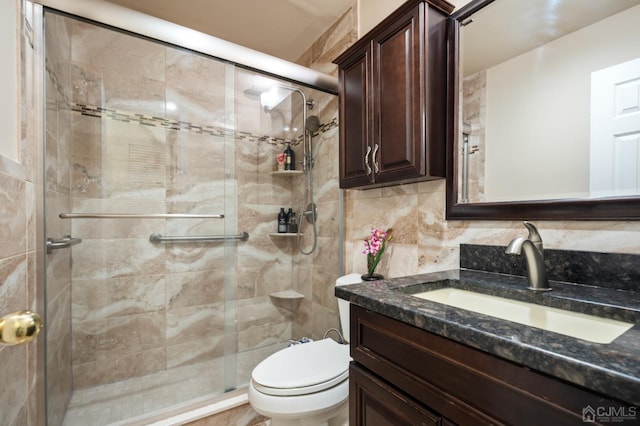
(160, 204)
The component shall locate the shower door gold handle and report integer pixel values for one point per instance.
(19, 327)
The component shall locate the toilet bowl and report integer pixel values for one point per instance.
(307, 383)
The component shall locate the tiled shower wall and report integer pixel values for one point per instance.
(317, 273)
(138, 308)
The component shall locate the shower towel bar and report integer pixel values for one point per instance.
(66, 241)
(157, 238)
(138, 216)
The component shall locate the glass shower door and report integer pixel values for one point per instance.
(138, 128)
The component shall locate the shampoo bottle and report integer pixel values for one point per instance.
(290, 158)
(282, 221)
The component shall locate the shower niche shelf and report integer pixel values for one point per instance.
(286, 172)
(287, 299)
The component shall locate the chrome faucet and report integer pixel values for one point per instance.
(531, 248)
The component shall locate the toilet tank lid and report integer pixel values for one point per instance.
(349, 279)
(303, 365)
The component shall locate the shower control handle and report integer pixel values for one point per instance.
(366, 159)
(375, 158)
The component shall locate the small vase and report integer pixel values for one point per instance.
(372, 277)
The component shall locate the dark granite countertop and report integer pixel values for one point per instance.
(612, 369)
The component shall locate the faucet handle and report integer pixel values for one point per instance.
(534, 235)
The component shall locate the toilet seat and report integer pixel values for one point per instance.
(303, 369)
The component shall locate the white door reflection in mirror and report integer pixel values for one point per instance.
(615, 130)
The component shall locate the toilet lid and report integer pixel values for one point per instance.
(304, 368)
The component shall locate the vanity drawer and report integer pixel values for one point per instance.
(463, 384)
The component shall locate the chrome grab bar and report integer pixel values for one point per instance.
(138, 216)
(157, 238)
(66, 241)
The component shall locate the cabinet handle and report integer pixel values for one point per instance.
(375, 158)
(366, 159)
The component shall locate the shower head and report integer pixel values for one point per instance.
(313, 123)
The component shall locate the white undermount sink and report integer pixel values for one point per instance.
(574, 324)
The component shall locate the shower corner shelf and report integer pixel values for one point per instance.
(286, 172)
(283, 234)
(287, 299)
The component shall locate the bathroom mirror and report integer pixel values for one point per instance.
(544, 105)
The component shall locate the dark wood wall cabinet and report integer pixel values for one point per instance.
(392, 99)
(403, 375)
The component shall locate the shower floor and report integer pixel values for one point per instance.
(118, 403)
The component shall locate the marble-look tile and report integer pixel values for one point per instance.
(323, 283)
(194, 72)
(258, 312)
(257, 219)
(195, 351)
(261, 249)
(248, 360)
(326, 255)
(264, 189)
(13, 222)
(188, 150)
(397, 212)
(263, 280)
(196, 106)
(106, 340)
(323, 320)
(117, 297)
(303, 319)
(132, 69)
(111, 258)
(192, 257)
(195, 288)
(116, 368)
(58, 329)
(116, 228)
(332, 42)
(243, 415)
(59, 358)
(58, 271)
(195, 323)
(13, 283)
(261, 336)
(14, 392)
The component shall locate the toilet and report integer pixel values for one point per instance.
(308, 383)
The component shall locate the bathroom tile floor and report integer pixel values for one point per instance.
(120, 402)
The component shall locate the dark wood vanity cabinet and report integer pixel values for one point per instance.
(392, 99)
(402, 375)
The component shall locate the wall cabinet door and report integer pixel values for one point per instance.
(355, 156)
(392, 99)
(399, 139)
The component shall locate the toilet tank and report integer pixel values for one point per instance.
(343, 305)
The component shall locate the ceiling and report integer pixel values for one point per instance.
(282, 28)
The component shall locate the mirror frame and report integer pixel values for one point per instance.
(609, 208)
